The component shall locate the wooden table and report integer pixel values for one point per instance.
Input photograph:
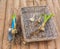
(6, 10)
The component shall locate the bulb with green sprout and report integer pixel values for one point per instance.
(46, 18)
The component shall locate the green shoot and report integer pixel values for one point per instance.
(46, 18)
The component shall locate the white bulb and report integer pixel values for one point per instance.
(32, 19)
(10, 29)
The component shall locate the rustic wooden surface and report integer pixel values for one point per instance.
(6, 10)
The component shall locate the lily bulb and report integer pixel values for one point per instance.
(32, 19)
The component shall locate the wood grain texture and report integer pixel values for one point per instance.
(29, 2)
(43, 2)
(36, 2)
(34, 45)
(6, 44)
(43, 45)
(51, 45)
(5, 17)
(2, 20)
(23, 3)
(57, 13)
(56, 10)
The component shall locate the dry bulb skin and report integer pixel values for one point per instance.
(14, 31)
(37, 22)
(42, 27)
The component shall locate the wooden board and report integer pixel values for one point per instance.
(2, 20)
(6, 43)
(57, 13)
(53, 5)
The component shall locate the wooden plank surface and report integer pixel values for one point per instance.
(29, 2)
(57, 13)
(6, 44)
(54, 6)
(2, 20)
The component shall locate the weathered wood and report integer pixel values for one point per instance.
(2, 20)
(16, 4)
(51, 45)
(6, 44)
(36, 2)
(29, 2)
(57, 13)
(54, 6)
(56, 10)
(43, 2)
(34, 45)
(23, 3)
(43, 45)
